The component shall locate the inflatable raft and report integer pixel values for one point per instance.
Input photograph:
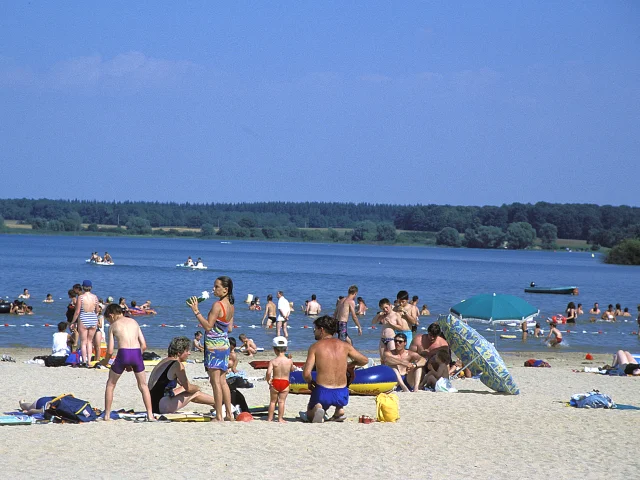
(5, 307)
(367, 381)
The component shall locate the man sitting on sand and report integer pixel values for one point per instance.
(408, 365)
(329, 356)
(428, 344)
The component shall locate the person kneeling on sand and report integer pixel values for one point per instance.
(248, 346)
(131, 344)
(330, 357)
(278, 378)
(169, 385)
(407, 365)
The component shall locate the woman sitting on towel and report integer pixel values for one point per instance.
(625, 362)
(168, 383)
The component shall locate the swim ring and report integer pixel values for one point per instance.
(367, 381)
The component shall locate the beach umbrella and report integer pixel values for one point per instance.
(494, 308)
(477, 354)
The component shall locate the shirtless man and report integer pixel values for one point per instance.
(392, 324)
(269, 312)
(609, 314)
(416, 313)
(131, 344)
(189, 262)
(428, 344)
(107, 258)
(25, 294)
(407, 312)
(313, 307)
(407, 365)
(330, 358)
(595, 310)
(347, 307)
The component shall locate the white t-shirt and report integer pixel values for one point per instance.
(284, 307)
(60, 347)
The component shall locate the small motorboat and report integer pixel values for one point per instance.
(572, 290)
(199, 266)
(102, 264)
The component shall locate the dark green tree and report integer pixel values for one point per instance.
(484, 237)
(520, 235)
(627, 252)
(207, 230)
(138, 226)
(385, 232)
(449, 237)
(548, 234)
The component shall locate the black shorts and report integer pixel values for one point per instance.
(630, 368)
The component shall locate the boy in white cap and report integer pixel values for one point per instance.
(278, 377)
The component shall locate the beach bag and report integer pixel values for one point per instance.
(68, 409)
(387, 407)
(150, 356)
(73, 358)
(55, 361)
(238, 400)
(593, 399)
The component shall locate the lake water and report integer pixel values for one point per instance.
(145, 269)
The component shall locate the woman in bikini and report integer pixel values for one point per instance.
(168, 383)
(392, 323)
(86, 317)
(218, 324)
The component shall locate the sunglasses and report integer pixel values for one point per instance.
(397, 340)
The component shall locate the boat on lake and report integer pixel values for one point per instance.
(572, 290)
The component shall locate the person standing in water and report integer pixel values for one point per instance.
(218, 324)
(346, 308)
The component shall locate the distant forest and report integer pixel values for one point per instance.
(515, 225)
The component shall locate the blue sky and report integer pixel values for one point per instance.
(469, 103)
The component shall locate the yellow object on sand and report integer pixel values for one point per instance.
(508, 336)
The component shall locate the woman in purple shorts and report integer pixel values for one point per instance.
(218, 324)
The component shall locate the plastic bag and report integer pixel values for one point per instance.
(593, 399)
(444, 385)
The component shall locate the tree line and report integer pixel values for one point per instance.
(515, 225)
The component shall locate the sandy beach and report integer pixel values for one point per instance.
(474, 433)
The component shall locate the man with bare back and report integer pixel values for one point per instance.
(346, 308)
(330, 357)
(428, 344)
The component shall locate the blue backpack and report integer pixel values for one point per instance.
(68, 409)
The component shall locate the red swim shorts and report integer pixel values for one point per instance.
(280, 384)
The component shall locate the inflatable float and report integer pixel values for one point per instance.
(367, 381)
(5, 307)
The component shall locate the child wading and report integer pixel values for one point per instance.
(278, 378)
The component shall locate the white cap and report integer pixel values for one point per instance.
(280, 342)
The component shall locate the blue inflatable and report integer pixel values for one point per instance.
(367, 381)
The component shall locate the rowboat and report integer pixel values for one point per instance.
(554, 290)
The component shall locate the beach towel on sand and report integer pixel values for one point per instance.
(532, 362)
(593, 399)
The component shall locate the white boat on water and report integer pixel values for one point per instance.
(102, 264)
(199, 266)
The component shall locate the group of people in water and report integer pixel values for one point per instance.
(190, 263)
(95, 258)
